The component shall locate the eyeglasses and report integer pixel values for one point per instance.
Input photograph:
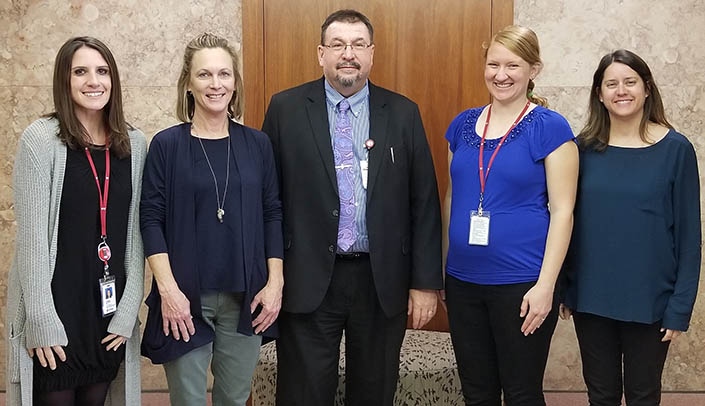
(341, 47)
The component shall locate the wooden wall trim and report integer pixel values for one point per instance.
(253, 61)
(502, 14)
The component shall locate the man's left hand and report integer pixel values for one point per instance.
(422, 306)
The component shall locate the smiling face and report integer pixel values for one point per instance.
(90, 81)
(622, 92)
(347, 70)
(507, 74)
(212, 81)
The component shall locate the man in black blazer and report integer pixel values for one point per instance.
(393, 267)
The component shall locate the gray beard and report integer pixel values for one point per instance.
(347, 82)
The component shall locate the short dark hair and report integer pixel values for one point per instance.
(346, 16)
(71, 131)
(596, 133)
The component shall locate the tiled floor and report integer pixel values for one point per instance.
(667, 399)
(552, 399)
(158, 399)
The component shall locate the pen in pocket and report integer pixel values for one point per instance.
(391, 151)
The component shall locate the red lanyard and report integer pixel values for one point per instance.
(481, 171)
(103, 249)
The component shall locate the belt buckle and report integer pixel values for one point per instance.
(350, 255)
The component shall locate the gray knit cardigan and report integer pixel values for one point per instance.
(32, 320)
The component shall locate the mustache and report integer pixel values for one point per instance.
(348, 65)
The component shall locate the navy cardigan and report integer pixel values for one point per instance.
(168, 226)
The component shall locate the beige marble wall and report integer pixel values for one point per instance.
(148, 42)
(147, 39)
(574, 35)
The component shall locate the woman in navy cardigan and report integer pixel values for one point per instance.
(211, 224)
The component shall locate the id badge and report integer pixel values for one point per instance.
(479, 228)
(364, 166)
(108, 299)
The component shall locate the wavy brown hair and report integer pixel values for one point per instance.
(523, 42)
(71, 131)
(596, 133)
(185, 104)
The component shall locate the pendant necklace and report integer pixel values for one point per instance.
(220, 212)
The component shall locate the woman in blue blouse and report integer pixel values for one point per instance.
(508, 161)
(211, 224)
(634, 261)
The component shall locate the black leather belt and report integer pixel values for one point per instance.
(352, 255)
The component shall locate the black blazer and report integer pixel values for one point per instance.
(403, 209)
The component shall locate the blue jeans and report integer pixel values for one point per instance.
(494, 357)
(234, 357)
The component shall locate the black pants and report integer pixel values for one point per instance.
(616, 353)
(494, 357)
(308, 344)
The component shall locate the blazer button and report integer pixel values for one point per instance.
(331, 248)
(335, 212)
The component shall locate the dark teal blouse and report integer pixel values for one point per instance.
(635, 250)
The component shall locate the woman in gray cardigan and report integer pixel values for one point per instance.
(76, 282)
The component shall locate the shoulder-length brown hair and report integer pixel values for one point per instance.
(185, 104)
(71, 131)
(596, 133)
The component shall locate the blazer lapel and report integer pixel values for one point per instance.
(378, 132)
(318, 117)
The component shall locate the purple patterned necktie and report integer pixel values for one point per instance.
(345, 172)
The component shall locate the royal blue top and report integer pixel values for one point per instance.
(635, 252)
(516, 197)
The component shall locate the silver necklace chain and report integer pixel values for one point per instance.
(220, 212)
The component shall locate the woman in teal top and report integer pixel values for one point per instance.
(634, 261)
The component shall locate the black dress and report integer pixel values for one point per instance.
(75, 286)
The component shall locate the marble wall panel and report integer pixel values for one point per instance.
(575, 34)
(147, 42)
(150, 108)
